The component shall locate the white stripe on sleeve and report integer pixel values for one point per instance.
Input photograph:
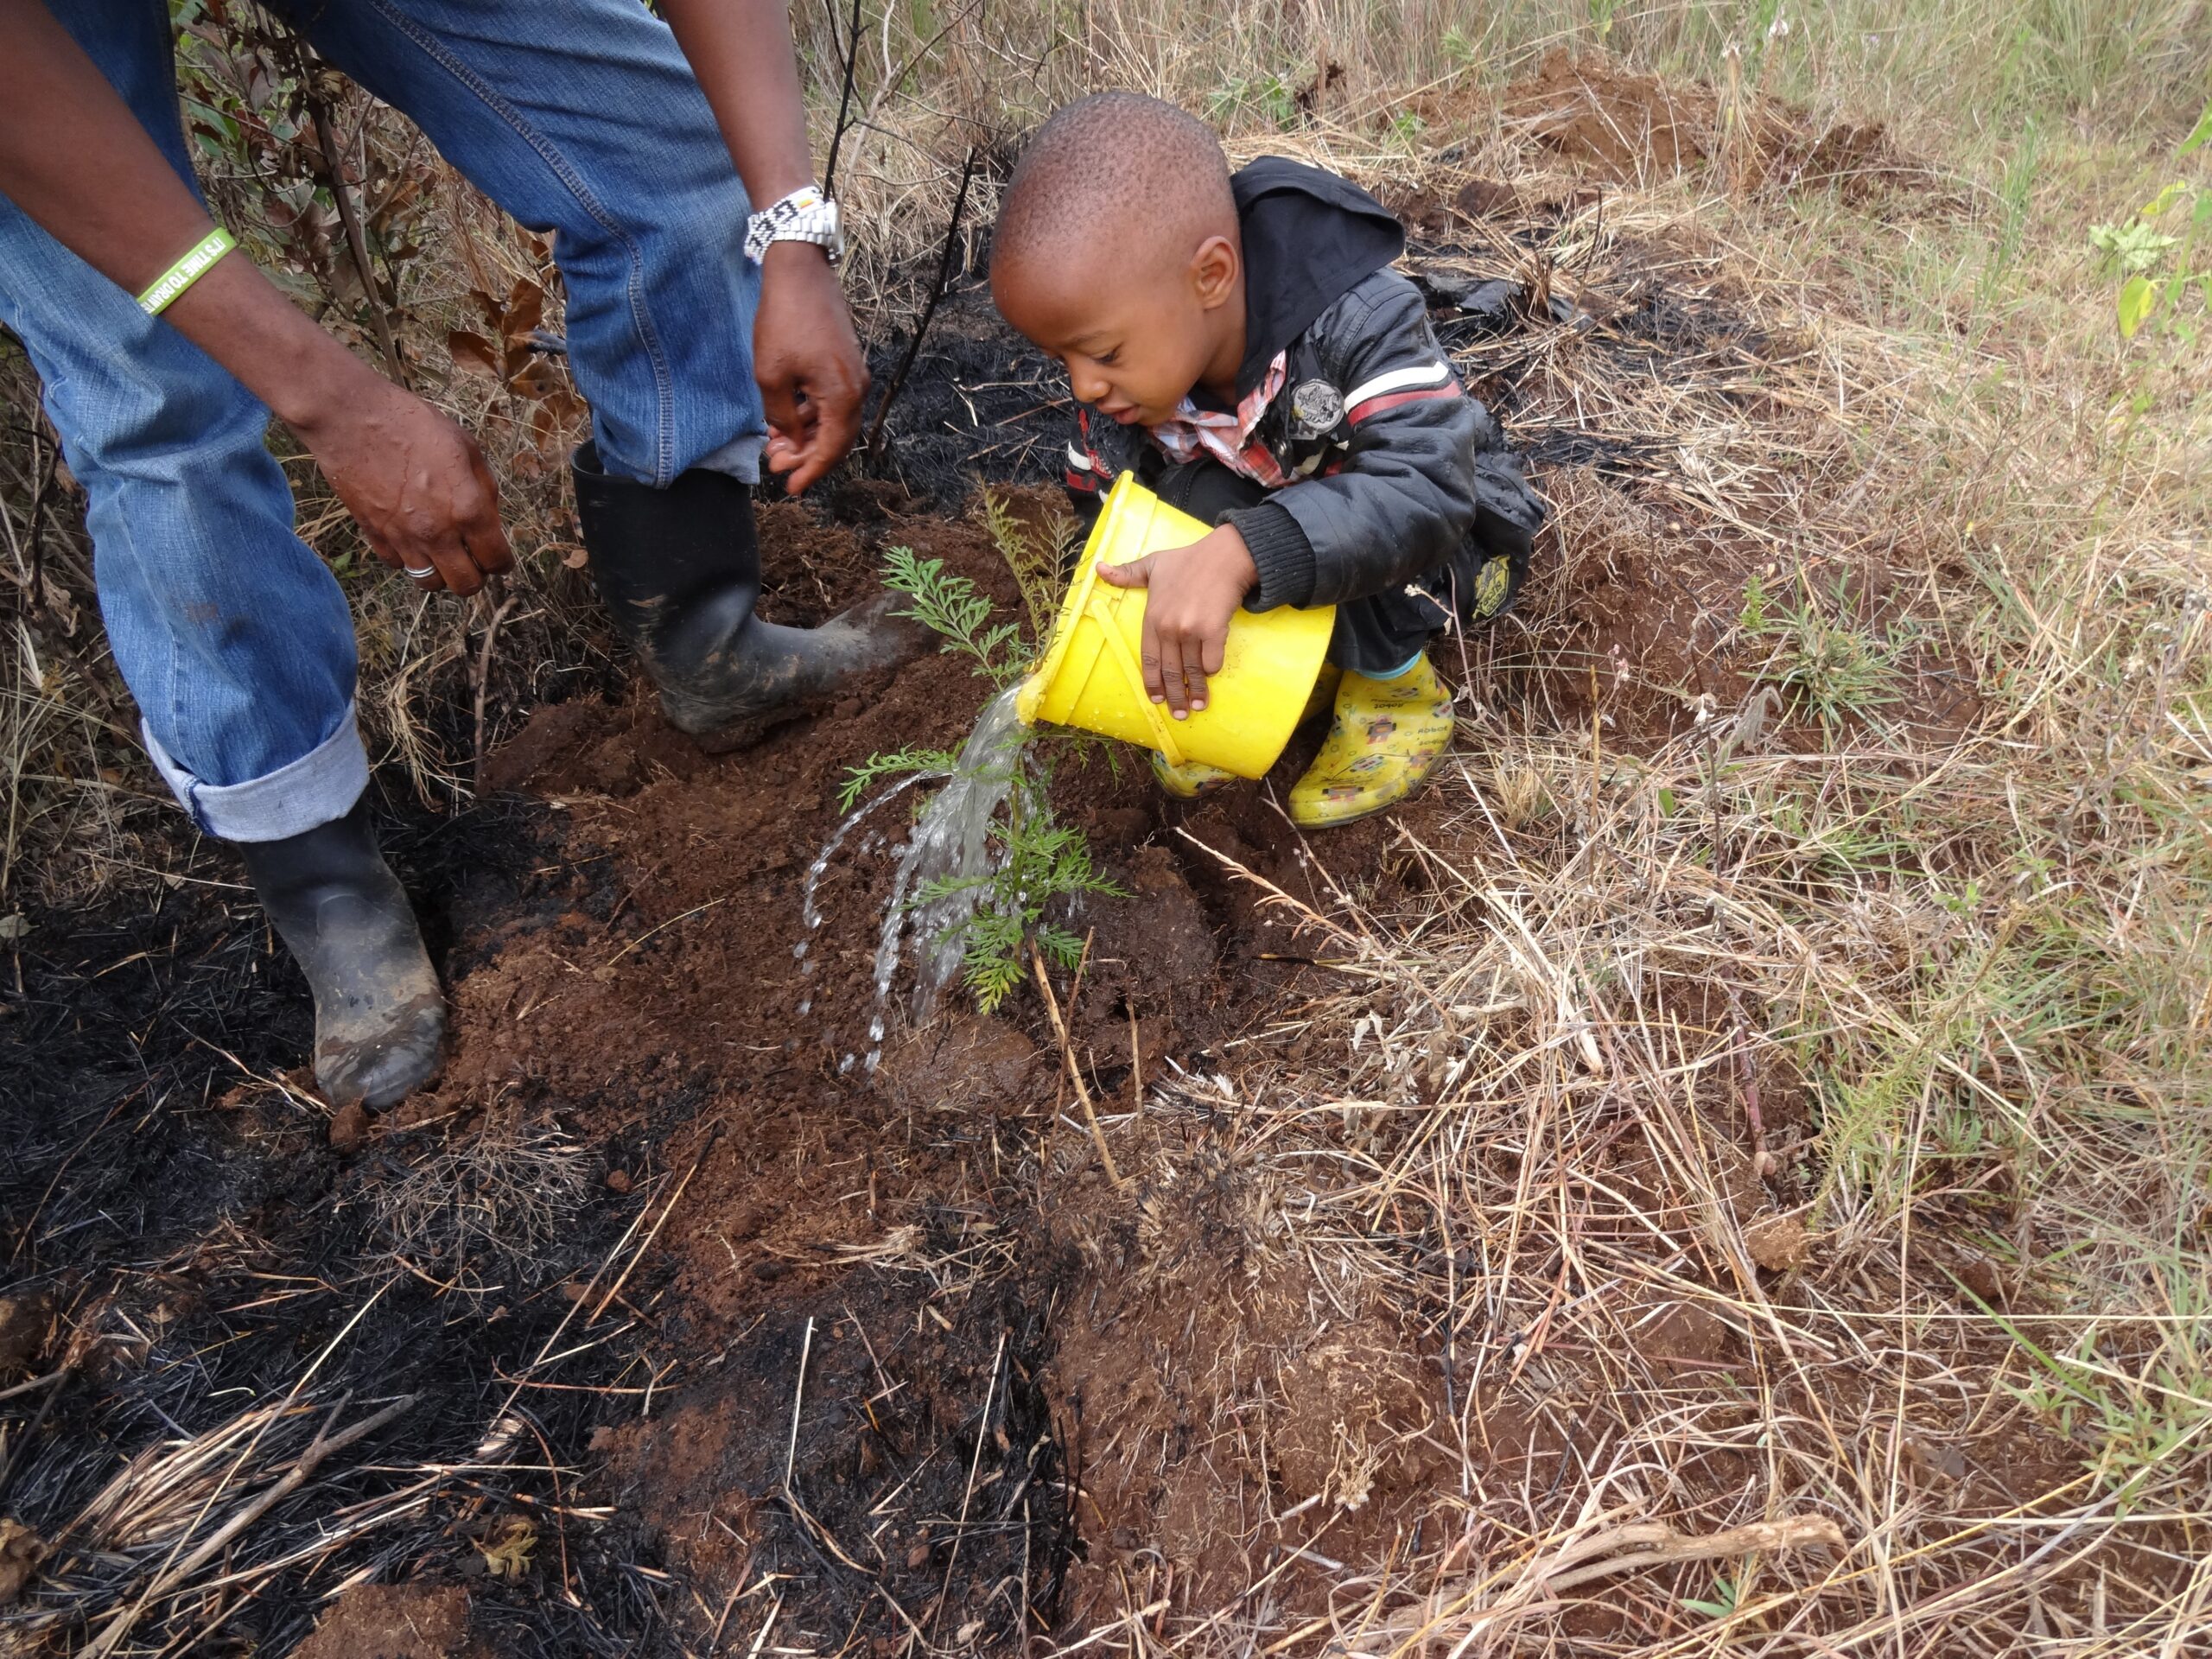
(1421, 374)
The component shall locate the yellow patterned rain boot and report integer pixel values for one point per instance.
(1387, 738)
(1194, 777)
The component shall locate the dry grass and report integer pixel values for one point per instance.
(474, 1206)
(1863, 1052)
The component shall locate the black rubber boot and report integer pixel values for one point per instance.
(680, 571)
(379, 1020)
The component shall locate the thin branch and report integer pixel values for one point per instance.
(349, 215)
(1074, 1072)
(936, 293)
(844, 101)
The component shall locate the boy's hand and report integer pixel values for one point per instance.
(1195, 590)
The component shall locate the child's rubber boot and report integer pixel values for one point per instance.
(1387, 738)
(1194, 777)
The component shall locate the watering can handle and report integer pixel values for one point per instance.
(1163, 733)
(1163, 729)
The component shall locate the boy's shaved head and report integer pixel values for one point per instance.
(1116, 171)
(1117, 252)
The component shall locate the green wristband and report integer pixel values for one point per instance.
(196, 264)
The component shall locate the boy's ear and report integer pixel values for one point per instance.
(1216, 269)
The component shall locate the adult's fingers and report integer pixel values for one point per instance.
(806, 456)
(834, 400)
(779, 395)
(482, 535)
(449, 556)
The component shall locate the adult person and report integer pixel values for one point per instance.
(709, 340)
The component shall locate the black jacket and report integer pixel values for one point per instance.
(1399, 486)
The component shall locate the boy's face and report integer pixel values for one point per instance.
(1135, 336)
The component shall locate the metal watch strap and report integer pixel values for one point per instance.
(804, 215)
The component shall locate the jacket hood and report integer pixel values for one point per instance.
(1310, 238)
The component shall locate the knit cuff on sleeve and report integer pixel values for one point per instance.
(1281, 552)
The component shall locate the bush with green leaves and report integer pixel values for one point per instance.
(1042, 864)
(2157, 254)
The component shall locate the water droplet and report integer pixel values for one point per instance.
(808, 911)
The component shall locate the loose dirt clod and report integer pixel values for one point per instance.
(21, 1551)
(1630, 126)
(1780, 1244)
(391, 1621)
(26, 1326)
(349, 1127)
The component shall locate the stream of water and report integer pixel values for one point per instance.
(952, 841)
(810, 915)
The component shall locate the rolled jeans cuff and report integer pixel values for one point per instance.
(740, 458)
(321, 786)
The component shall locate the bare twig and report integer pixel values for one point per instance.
(1075, 1070)
(349, 214)
(798, 1400)
(852, 55)
(929, 310)
(506, 603)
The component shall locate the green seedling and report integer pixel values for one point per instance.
(1041, 866)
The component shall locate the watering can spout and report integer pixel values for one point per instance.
(1089, 676)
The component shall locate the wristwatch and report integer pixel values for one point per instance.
(805, 215)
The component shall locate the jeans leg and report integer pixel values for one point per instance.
(581, 117)
(233, 638)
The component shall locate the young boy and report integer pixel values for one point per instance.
(1242, 343)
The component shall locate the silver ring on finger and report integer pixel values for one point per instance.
(427, 570)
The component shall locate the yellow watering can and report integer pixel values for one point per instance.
(1090, 677)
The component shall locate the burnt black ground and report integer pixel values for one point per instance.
(132, 1195)
(136, 1199)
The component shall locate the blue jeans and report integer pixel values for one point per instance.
(580, 118)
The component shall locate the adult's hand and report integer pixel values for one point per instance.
(75, 159)
(808, 362)
(805, 355)
(415, 482)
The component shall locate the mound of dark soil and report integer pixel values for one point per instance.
(1625, 125)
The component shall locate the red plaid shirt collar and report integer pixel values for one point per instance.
(1190, 431)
